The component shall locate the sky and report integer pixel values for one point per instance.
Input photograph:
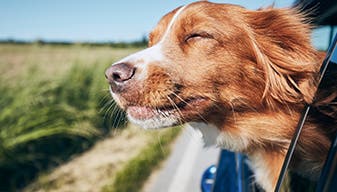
(88, 20)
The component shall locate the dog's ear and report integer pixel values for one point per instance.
(280, 41)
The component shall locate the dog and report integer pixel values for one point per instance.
(241, 75)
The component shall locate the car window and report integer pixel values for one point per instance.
(297, 177)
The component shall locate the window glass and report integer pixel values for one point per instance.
(321, 37)
(319, 130)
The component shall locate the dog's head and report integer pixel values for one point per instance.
(207, 60)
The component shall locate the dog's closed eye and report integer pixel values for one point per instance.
(197, 36)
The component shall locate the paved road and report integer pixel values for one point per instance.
(183, 170)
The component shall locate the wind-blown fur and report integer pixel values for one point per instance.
(246, 73)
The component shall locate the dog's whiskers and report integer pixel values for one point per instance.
(202, 117)
(109, 107)
(157, 103)
(177, 108)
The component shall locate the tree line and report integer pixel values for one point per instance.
(122, 44)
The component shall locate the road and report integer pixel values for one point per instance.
(183, 170)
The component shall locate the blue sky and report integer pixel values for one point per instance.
(88, 20)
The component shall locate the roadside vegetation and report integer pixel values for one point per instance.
(54, 106)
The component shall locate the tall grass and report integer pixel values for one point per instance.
(53, 104)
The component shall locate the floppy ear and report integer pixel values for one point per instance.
(280, 40)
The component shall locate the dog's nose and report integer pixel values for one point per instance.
(119, 73)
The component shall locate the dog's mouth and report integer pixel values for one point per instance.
(177, 113)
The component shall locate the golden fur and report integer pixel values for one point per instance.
(249, 73)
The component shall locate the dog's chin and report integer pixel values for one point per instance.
(155, 122)
(151, 118)
(162, 117)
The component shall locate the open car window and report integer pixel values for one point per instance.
(325, 102)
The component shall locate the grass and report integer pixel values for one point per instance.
(53, 104)
(133, 175)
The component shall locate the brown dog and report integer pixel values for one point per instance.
(241, 75)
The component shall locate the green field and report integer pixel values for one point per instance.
(54, 103)
(54, 107)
